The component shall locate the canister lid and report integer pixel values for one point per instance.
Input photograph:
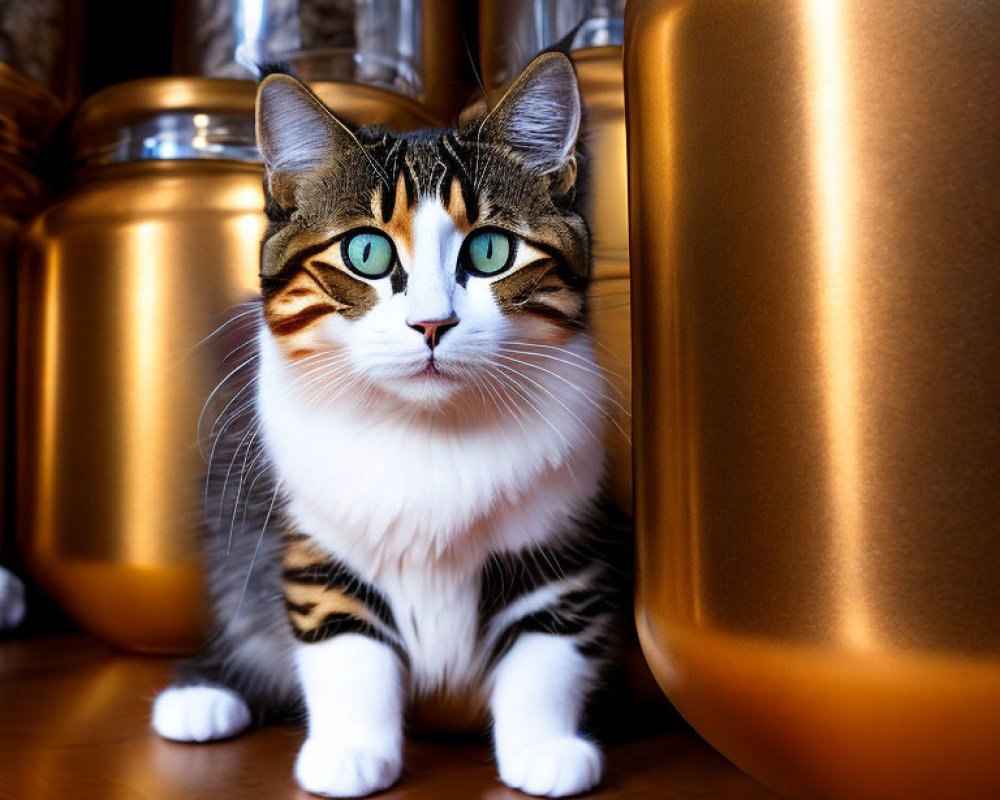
(166, 118)
(209, 118)
(370, 105)
(599, 70)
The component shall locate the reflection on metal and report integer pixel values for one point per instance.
(814, 236)
(828, 61)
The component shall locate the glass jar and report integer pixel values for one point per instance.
(121, 282)
(411, 47)
(814, 239)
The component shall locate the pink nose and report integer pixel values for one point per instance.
(433, 330)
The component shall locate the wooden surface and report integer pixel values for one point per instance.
(74, 725)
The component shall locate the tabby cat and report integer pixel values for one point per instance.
(403, 489)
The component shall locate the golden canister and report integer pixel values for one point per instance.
(511, 32)
(120, 284)
(599, 70)
(816, 282)
(28, 115)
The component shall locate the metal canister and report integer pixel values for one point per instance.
(28, 114)
(511, 32)
(120, 284)
(814, 239)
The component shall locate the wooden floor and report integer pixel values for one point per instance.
(74, 726)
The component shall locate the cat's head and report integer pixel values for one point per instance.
(415, 264)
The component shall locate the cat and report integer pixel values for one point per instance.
(405, 475)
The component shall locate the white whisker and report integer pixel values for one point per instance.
(579, 391)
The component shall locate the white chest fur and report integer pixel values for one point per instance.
(414, 504)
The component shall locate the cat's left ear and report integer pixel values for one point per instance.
(539, 115)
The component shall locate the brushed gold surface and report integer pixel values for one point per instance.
(599, 70)
(28, 115)
(119, 282)
(443, 56)
(814, 241)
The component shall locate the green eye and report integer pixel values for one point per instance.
(368, 253)
(489, 252)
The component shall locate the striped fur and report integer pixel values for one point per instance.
(403, 511)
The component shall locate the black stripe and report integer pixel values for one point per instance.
(558, 620)
(455, 155)
(340, 623)
(508, 576)
(409, 184)
(572, 322)
(334, 575)
(395, 165)
(398, 278)
(562, 269)
(271, 282)
(597, 647)
(299, 608)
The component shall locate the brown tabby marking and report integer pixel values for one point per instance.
(302, 552)
(455, 205)
(324, 598)
(537, 289)
(311, 288)
(399, 226)
(310, 598)
(293, 311)
(309, 606)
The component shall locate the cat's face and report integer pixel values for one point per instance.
(417, 265)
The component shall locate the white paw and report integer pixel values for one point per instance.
(556, 768)
(341, 769)
(11, 600)
(199, 713)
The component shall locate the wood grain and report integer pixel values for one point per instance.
(74, 725)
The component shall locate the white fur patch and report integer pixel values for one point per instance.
(539, 690)
(199, 714)
(354, 693)
(436, 242)
(12, 606)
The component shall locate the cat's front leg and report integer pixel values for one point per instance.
(351, 667)
(354, 693)
(540, 687)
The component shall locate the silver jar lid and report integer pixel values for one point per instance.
(167, 119)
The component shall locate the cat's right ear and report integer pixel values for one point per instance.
(295, 134)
